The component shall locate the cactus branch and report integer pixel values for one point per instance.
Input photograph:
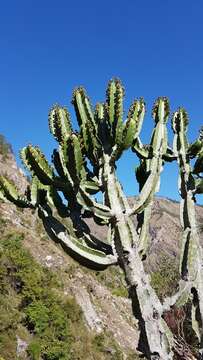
(35, 161)
(191, 264)
(99, 210)
(8, 191)
(60, 123)
(77, 248)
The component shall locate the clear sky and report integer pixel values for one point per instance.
(49, 47)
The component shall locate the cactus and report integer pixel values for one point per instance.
(102, 138)
(148, 173)
(191, 262)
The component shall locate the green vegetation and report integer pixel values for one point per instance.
(33, 307)
(165, 279)
(33, 303)
(114, 280)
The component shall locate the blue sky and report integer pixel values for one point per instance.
(49, 47)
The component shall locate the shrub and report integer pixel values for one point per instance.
(165, 280)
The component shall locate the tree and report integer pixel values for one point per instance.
(85, 164)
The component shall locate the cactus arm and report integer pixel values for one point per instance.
(2, 195)
(86, 122)
(82, 116)
(99, 210)
(55, 200)
(38, 194)
(134, 122)
(59, 164)
(143, 218)
(198, 186)
(169, 156)
(148, 173)
(158, 147)
(63, 164)
(160, 114)
(114, 101)
(141, 151)
(98, 244)
(143, 230)
(149, 187)
(144, 198)
(195, 324)
(69, 162)
(60, 123)
(197, 305)
(83, 108)
(8, 191)
(75, 161)
(70, 165)
(198, 165)
(130, 129)
(104, 128)
(115, 200)
(196, 147)
(180, 298)
(187, 209)
(35, 161)
(91, 187)
(192, 257)
(64, 181)
(33, 189)
(77, 248)
(36, 191)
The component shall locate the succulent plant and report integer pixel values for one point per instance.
(102, 138)
(191, 262)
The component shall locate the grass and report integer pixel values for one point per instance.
(33, 307)
(114, 280)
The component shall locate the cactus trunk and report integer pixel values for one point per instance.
(146, 306)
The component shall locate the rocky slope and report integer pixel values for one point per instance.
(101, 296)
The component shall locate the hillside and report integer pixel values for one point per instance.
(94, 304)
